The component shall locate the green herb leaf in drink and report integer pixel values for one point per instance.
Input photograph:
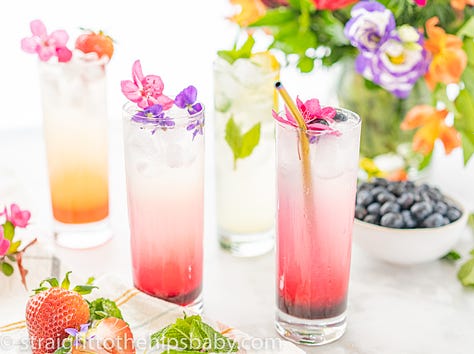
(466, 273)
(242, 144)
(243, 52)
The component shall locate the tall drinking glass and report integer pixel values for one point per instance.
(315, 217)
(75, 130)
(165, 181)
(245, 153)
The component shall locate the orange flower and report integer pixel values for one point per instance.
(250, 11)
(432, 126)
(461, 4)
(448, 58)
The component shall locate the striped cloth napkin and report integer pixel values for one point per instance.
(145, 314)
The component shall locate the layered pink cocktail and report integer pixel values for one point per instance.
(165, 176)
(315, 213)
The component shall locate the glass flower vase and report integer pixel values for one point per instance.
(381, 137)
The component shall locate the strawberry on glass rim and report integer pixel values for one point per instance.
(99, 43)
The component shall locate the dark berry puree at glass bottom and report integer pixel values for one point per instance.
(175, 284)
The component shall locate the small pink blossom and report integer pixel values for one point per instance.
(46, 46)
(317, 119)
(18, 217)
(421, 2)
(4, 243)
(145, 91)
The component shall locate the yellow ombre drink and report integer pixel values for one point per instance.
(76, 137)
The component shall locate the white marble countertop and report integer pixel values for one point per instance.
(392, 310)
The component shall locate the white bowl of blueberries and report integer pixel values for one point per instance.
(406, 223)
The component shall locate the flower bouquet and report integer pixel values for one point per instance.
(407, 66)
(11, 250)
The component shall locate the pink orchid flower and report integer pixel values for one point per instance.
(145, 91)
(46, 46)
(4, 243)
(18, 217)
(421, 2)
(313, 115)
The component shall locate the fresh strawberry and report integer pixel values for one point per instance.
(109, 336)
(98, 43)
(52, 310)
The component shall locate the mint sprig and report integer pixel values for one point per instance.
(191, 335)
(103, 308)
(245, 51)
(242, 144)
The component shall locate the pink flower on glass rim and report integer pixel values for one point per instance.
(46, 46)
(18, 217)
(145, 91)
(315, 117)
(4, 244)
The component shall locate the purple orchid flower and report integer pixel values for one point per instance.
(186, 99)
(79, 336)
(197, 126)
(398, 64)
(370, 26)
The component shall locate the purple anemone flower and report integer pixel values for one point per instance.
(398, 64)
(186, 99)
(80, 335)
(370, 25)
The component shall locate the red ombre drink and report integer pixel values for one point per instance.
(314, 228)
(164, 161)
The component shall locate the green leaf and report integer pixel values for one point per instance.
(103, 308)
(7, 269)
(305, 64)
(244, 52)
(90, 281)
(242, 145)
(84, 289)
(13, 247)
(451, 256)
(472, 252)
(67, 345)
(466, 273)
(66, 283)
(8, 231)
(467, 29)
(425, 162)
(53, 282)
(276, 17)
(464, 122)
(192, 335)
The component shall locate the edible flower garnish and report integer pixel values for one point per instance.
(147, 93)
(46, 45)
(54, 45)
(80, 337)
(317, 118)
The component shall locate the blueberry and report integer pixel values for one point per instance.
(394, 220)
(320, 121)
(340, 117)
(409, 185)
(376, 190)
(364, 186)
(441, 207)
(410, 223)
(421, 210)
(446, 221)
(385, 197)
(381, 182)
(389, 207)
(360, 212)
(364, 198)
(435, 194)
(374, 208)
(396, 188)
(373, 219)
(425, 196)
(406, 200)
(453, 214)
(434, 220)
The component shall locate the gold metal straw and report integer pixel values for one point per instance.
(303, 138)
